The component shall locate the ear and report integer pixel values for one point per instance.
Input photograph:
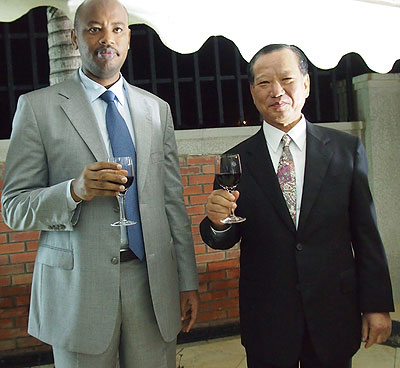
(252, 91)
(307, 85)
(74, 40)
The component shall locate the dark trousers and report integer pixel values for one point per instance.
(308, 359)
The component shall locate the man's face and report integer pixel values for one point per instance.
(102, 36)
(279, 90)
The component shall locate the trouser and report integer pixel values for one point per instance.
(136, 337)
(307, 359)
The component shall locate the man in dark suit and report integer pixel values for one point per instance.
(314, 277)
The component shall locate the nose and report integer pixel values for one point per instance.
(107, 38)
(276, 89)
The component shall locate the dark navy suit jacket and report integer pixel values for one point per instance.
(321, 276)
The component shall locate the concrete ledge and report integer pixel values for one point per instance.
(218, 140)
(213, 140)
(4, 143)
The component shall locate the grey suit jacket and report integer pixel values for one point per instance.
(75, 287)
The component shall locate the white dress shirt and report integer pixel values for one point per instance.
(273, 138)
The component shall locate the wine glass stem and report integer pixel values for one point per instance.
(121, 202)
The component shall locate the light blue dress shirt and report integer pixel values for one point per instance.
(93, 91)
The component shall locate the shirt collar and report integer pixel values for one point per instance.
(94, 90)
(273, 136)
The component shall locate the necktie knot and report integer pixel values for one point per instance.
(108, 96)
(286, 140)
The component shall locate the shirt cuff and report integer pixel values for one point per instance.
(70, 201)
(216, 232)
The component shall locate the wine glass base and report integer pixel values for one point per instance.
(124, 223)
(233, 220)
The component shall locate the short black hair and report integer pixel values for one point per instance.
(303, 63)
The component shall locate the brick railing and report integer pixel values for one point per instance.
(218, 270)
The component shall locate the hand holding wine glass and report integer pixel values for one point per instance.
(100, 178)
(228, 170)
(127, 164)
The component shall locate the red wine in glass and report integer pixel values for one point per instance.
(127, 164)
(128, 183)
(227, 181)
(228, 170)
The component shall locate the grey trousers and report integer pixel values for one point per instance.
(136, 337)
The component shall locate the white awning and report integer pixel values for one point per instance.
(324, 30)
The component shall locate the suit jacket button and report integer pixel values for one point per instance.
(114, 260)
(299, 246)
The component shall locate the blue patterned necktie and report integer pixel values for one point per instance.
(287, 177)
(122, 145)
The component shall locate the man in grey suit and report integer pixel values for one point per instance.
(92, 297)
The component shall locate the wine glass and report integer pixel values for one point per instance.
(127, 164)
(227, 175)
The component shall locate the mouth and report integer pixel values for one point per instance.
(278, 105)
(107, 53)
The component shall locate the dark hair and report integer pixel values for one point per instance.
(303, 63)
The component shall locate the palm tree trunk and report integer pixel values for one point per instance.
(64, 60)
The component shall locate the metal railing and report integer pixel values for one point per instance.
(24, 66)
(205, 89)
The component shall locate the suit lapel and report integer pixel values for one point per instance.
(318, 157)
(78, 110)
(141, 113)
(260, 167)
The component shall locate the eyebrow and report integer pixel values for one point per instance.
(92, 22)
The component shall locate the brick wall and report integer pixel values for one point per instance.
(218, 270)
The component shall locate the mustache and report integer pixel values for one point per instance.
(107, 49)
